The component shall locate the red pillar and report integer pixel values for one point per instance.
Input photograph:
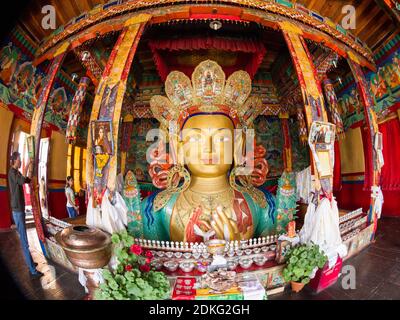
(36, 128)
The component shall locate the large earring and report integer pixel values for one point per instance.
(180, 155)
(246, 186)
(173, 179)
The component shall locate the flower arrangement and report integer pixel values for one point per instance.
(302, 261)
(133, 278)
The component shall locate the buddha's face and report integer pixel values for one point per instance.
(207, 143)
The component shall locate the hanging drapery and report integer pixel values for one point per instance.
(337, 170)
(76, 109)
(160, 48)
(106, 112)
(36, 128)
(390, 177)
(332, 102)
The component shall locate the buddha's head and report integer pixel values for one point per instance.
(207, 144)
(202, 113)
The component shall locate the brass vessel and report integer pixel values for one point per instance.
(86, 247)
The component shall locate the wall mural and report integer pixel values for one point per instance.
(269, 134)
(385, 83)
(21, 82)
(350, 106)
(384, 86)
(300, 152)
(136, 155)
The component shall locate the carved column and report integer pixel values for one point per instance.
(76, 109)
(373, 180)
(36, 128)
(106, 110)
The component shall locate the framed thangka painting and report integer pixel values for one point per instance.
(102, 137)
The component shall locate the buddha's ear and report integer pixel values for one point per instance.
(239, 143)
(180, 155)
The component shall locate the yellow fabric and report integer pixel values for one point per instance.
(353, 57)
(58, 156)
(352, 152)
(290, 27)
(6, 117)
(133, 26)
(61, 49)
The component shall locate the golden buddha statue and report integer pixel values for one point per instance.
(216, 199)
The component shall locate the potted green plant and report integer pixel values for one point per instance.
(132, 278)
(302, 261)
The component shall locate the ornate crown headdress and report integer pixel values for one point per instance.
(207, 92)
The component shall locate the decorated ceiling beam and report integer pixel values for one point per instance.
(113, 17)
(35, 132)
(325, 63)
(106, 112)
(373, 162)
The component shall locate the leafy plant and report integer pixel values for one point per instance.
(132, 278)
(301, 262)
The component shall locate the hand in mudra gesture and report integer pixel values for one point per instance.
(224, 226)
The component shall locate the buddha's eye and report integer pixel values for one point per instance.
(222, 139)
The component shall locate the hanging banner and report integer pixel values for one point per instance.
(287, 147)
(76, 110)
(106, 113)
(36, 128)
(310, 89)
(332, 102)
(309, 83)
(303, 136)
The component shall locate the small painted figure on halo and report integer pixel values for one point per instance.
(72, 208)
(16, 181)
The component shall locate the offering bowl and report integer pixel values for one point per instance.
(171, 265)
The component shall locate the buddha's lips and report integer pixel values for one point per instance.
(206, 161)
(212, 160)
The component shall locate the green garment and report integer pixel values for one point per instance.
(156, 225)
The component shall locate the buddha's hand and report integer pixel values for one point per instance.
(224, 226)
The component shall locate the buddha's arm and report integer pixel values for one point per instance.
(155, 225)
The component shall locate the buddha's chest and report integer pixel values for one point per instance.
(197, 216)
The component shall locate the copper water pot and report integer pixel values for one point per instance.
(86, 247)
